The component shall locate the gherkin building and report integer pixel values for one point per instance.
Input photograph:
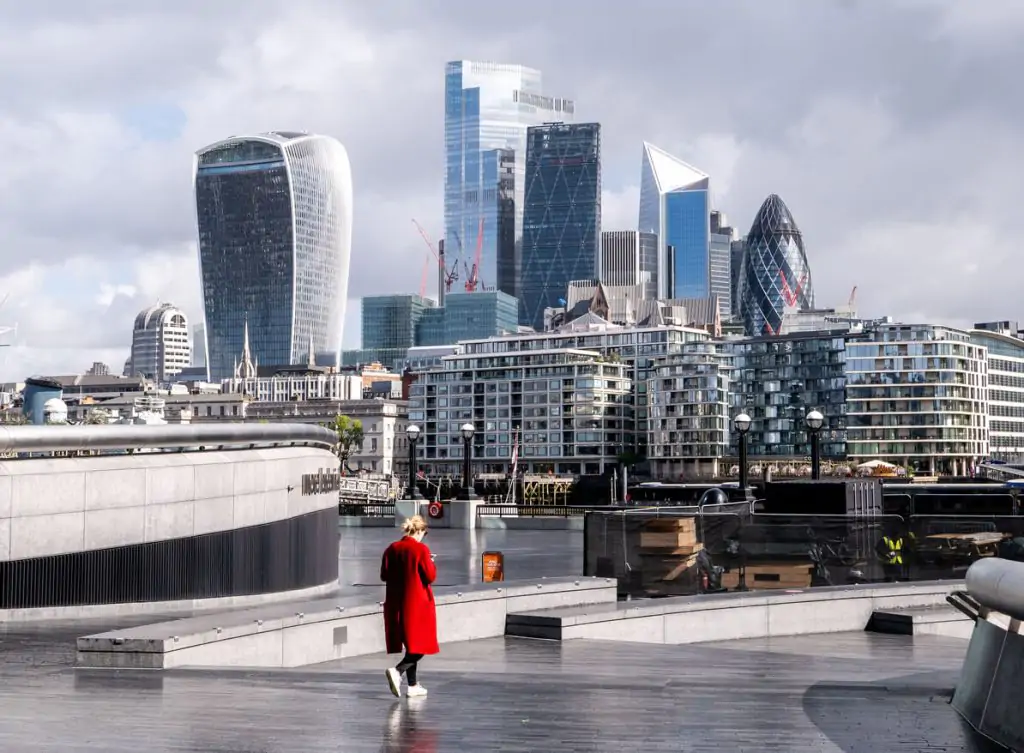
(775, 278)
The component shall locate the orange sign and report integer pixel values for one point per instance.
(493, 567)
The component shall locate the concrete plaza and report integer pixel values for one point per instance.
(849, 692)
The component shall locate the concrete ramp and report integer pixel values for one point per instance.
(295, 635)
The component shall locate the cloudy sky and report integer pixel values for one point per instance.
(894, 130)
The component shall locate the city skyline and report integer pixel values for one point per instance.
(882, 168)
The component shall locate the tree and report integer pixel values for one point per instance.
(350, 436)
(97, 416)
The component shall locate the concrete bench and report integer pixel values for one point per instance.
(299, 634)
(941, 619)
(728, 616)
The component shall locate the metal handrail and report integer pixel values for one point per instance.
(176, 436)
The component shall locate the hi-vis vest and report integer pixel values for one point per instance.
(895, 546)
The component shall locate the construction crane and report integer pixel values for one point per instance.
(448, 276)
(473, 276)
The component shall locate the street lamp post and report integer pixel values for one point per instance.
(815, 421)
(742, 425)
(467, 431)
(412, 432)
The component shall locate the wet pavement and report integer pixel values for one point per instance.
(852, 693)
(528, 554)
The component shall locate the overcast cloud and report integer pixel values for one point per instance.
(893, 130)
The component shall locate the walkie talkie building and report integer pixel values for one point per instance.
(776, 277)
(274, 214)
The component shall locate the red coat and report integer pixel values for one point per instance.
(409, 617)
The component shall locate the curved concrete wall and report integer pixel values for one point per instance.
(988, 694)
(164, 526)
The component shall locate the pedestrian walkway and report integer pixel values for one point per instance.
(528, 554)
(853, 693)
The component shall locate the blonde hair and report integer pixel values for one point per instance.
(414, 525)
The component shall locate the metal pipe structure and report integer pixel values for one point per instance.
(173, 436)
(999, 585)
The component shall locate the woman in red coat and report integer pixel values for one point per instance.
(407, 569)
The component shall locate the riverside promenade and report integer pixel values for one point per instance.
(850, 692)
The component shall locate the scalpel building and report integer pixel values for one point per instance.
(274, 215)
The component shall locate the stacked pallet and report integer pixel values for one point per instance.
(668, 548)
(769, 575)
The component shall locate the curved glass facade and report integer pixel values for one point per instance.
(776, 277)
(274, 215)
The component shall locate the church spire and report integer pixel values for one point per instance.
(246, 368)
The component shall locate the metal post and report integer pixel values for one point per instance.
(414, 491)
(816, 455)
(467, 469)
(743, 463)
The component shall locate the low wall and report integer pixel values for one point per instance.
(730, 616)
(988, 694)
(162, 527)
(301, 634)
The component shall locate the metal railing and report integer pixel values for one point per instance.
(367, 509)
(181, 437)
(655, 553)
(531, 511)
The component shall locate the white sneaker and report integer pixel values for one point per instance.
(416, 691)
(394, 681)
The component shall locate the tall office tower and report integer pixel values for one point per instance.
(488, 107)
(274, 213)
(776, 278)
(199, 345)
(562, 214)
(629, 257)
(160, 344)
(720, 262)
(675, 204)
(509, 253)
(739, 250)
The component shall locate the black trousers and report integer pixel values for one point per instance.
(408, 666)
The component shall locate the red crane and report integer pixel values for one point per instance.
(473, 278)
(449, 276)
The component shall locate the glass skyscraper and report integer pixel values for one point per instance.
(675, 203)
(274, 215)
(562, 214)
(629, 257)
(776, 277)
(488, 108)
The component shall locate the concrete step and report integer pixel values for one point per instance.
(548, 623)
(941, 619)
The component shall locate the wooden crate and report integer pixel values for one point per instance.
(675, 551)
(772, 576)
(669, 533)
(678, 570)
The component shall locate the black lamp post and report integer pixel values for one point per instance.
(412, 431)
(467, 431)
(742, 425)
(815, 421)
